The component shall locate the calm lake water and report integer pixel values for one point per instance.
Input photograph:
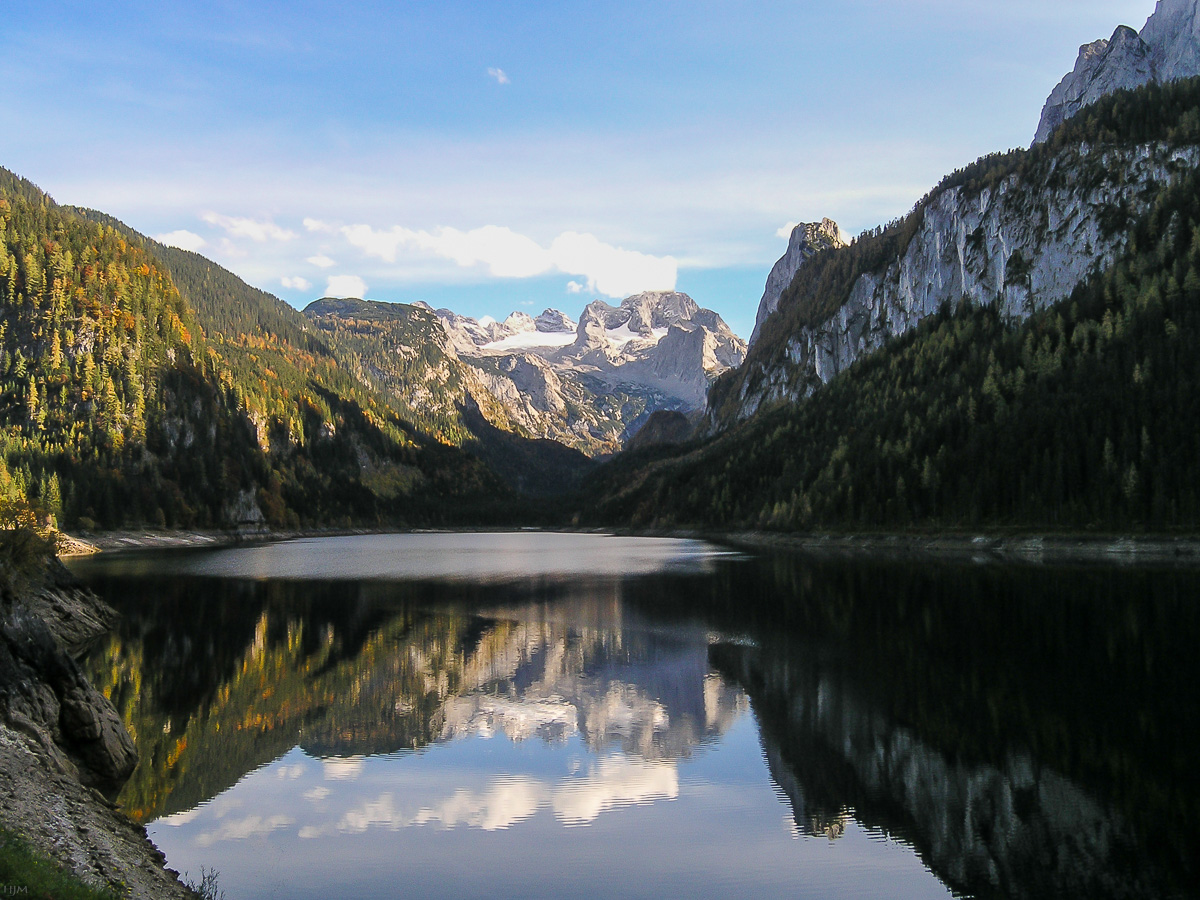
(447, 715)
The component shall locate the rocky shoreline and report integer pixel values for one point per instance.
(1030, 549)
(64, 752)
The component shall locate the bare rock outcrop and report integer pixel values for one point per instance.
(591, 384)
(1167, 49)
(63, 748)
(1023, 246)
(805, 241)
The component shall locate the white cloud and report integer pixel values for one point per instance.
(499, 75)
(296, 284)
(342, 768)
(506, 254)
(382, 244)
(184, 240)
(611, 270)
(616, 782)
(321, 261)
(574, 287)
(506, 803)
(786, 231)
(249, 228)
(345, 286)
(317, 226)
(240, 829)
(180, 818)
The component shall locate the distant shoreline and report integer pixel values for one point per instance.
(1018, 548)
(132, 540)
(977, 547)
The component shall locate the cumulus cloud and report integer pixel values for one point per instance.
(616, 782)
(503, 805)
(183, 239)
(786, 231)
(321, 261)
(296, 284)
(249, 228)
(499, 75)
(240, 829)
(342, 768)
(345, 286)
(318, 227)
(612, 271)
(574, 287)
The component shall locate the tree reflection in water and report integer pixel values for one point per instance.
(1030, 731)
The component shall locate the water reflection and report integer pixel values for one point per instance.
(446, 556)
(1013, 732)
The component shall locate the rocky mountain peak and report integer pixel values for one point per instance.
(519, 322)
(553, 321)
(806, 240)
(1167, 49)
(593, 382)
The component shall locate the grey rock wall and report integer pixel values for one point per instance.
(1167, 49)
(1022, 246)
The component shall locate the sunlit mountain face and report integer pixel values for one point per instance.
(713, 725)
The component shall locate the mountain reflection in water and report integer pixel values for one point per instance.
(1014, 732)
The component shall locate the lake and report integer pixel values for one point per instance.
(542, 715)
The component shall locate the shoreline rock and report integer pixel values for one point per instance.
(64, 751)
(1024, 549)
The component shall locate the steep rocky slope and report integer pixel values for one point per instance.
(805, 241)
(1062, 395)
(403, 353)
(1020, 232)
(1167, 49)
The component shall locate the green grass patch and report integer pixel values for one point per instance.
(26, 873)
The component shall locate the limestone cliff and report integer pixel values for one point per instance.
(1167, 49)
(805, 240)
(1023, 244)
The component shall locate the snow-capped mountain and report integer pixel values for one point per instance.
(591, 383)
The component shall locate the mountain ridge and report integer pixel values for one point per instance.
(1167, 49)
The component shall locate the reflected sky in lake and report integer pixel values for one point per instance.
(701, 725)
(466, 557)
(489, 815)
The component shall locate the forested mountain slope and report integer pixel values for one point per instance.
(403, 352)
(1081, 413)
(125, 400)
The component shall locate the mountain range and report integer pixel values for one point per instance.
(1011, 352)
(591, 384)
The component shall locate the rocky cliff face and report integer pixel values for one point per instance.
(61, 740)
(591, 384)
(805, 240)
(1167, 49)
(1024, 245)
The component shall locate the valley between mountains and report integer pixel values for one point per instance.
(1016, 354)
(1011, 353)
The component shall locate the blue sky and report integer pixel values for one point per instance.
(491, 157)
